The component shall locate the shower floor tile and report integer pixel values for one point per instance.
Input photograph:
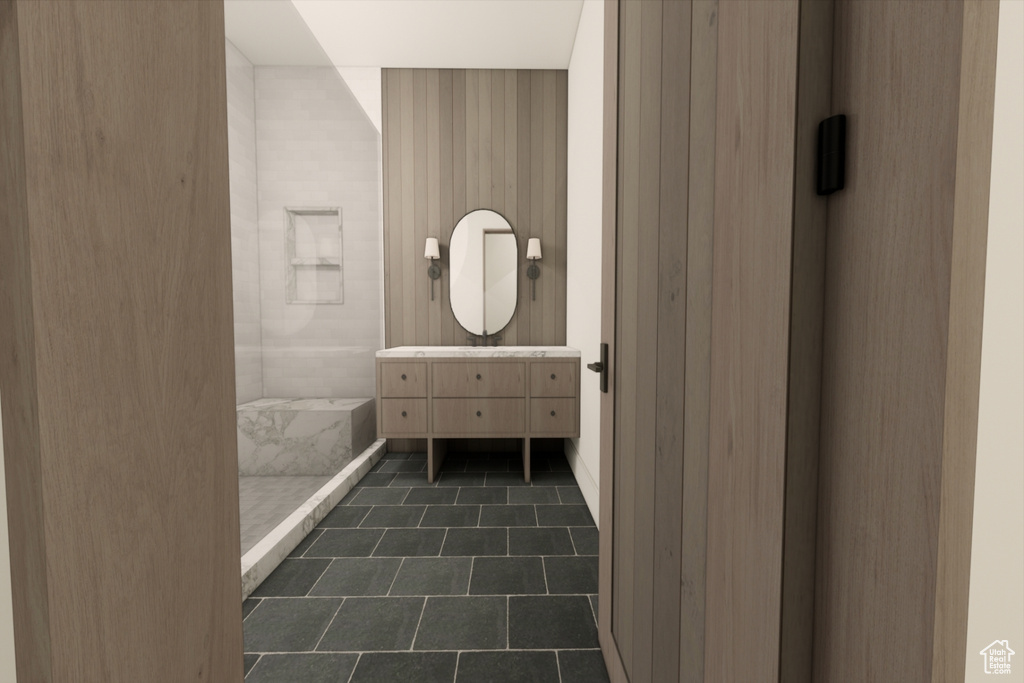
(478, 577)
(265, 502)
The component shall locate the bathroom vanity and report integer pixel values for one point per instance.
(444, 392)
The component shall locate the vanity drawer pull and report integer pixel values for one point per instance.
(479, 377)
(402, 416)
(405, 414)
(403, 380)
(403, 377)
(478, 413)
(553, 415)
(553, 380)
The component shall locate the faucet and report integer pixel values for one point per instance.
(484, 338)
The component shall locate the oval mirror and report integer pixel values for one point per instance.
(484, 260)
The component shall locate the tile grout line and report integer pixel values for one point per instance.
(416, 633)
(377, 544)
(255, 664)
(395, 578)
(329, 624)
(322, 575)
(359, 658)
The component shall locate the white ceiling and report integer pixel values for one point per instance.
(465, 34)
(271, 33)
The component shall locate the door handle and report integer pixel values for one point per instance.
(601, 367)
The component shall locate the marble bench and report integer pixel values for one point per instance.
(306, 436)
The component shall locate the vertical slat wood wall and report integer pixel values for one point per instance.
(459, 140)
(904, 298)
(754, 201)
(810, 213)
(116, 341)
(653, 538)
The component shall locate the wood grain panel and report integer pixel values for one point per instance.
(433, 190)
(673, 71)
(116, 342)
(472, 107)
(553, 416)
(403, 415)
(553, 379)
(963, 350)
(754, 170)
(814, 104)
(402, 379)
(696, 401)
(446, 152)
(648, 229)
(523, 109)
(23, 462)
(549, 207)
(499, 416)
(452, 380)
(421, 301)
(511, 177)
(394, 276)
(537, 190)
(407, 228)
(607, 550)
(497, 145)
(556, 235)
(484, 198)
(904, 270)
(386, 204)
(501, 143)
(627, 329)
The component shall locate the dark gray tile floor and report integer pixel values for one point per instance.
(478, 577)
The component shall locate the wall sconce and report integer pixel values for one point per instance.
(432, 252)
(533, 272)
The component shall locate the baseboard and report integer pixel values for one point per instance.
(585, 479)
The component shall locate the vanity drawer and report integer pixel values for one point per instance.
(553, 415)
(403, 416)
(485, 379)
(403, 379)
(553, 379)
(479, 415)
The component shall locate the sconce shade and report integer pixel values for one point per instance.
(432, 251)
(533, 249)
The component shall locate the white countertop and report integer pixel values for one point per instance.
(479, 352)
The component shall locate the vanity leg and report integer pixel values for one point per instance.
(436, 449)
(526, 459)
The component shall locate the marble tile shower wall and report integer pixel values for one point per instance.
(245, 258)
(316, 148)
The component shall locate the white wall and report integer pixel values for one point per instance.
(245, 256)
(996, 609)
(364, 82)
(315, 147)
(7, 672)
(583, 263)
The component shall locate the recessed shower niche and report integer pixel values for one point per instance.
(314, 244)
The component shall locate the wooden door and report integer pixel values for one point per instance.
(659, 171)
(902, 341)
